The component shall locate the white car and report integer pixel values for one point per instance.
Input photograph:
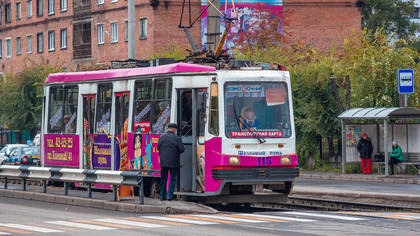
(7, 149)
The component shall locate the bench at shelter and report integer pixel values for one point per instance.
(410, 159)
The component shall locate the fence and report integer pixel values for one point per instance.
(67, 175)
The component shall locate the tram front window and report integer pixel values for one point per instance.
(257, 109)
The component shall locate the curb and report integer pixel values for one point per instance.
(413, 199)
(101, 204)
(353, 178)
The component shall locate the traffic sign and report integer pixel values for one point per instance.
(405, 81)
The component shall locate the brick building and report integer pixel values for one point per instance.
(85, 32)
(75, 33)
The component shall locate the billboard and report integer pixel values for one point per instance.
(244, 10)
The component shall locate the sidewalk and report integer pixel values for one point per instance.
(103, 200)
(396, 179)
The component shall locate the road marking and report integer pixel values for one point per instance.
(17, 231)
(32, 228)
(279, 217)
(395, 215)
(252, 217)
(155, 221)
(4, 233)
(204, 219)
(227, 217)
(106, 224)
(132, 223)
(319, 215)
(196, 222)
(80, 225)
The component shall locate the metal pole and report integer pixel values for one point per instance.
(44, 186)
(141, 190)
(131, 30)
(5, 182)
(405, 100)
(386, 146)
(343, 147)
(90, 190)
(213, 26)
(66, 188)
(24, 184)
(114, 192)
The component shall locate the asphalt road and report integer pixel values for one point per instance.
(19, 216)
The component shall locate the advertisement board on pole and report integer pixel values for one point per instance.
(405, 81)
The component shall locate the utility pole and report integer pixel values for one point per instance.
(213, 26)
(131, 30)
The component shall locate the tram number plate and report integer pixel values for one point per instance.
(264, 161)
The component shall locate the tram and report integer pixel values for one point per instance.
(237, 127)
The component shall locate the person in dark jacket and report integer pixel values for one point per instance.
(364, 147)
(170, 147)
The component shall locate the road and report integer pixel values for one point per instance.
(18, 216)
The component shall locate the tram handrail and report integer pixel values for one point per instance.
(85, 176)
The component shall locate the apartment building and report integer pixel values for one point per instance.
(73, 33)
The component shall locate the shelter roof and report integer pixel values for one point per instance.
(119, 73)
(381, 113)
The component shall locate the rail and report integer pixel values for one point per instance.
(67, 175)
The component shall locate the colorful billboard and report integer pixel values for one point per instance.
(244, 11)
(61, 150)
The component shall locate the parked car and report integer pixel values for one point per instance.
(29, 156)
(6, 150)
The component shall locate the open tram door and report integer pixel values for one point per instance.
(191, 124)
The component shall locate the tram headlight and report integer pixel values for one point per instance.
(234, 160)
(285, 160)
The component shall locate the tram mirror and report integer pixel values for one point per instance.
(201, 101)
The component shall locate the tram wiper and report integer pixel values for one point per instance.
(239, 121)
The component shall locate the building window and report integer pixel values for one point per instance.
(1, 14)
(1, 49)
(63, 38)
(39, 7)
(50, 7)
(18, 8)
(29, 8)
(143, 28)
(18, 46)
(100, 2)
(82, 40)
(114, 32)
(8, 14)
(51, 41)
(114, 0)
(126, 30)
(29, 44)
(8, 47)
(100, 34)
(63, 5)
(40, 42)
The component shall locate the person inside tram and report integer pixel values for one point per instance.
(69, 128)
(249, 119)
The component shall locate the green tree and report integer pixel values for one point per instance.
(21, 97)
(392, 15)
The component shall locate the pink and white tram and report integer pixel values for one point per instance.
(237, 127)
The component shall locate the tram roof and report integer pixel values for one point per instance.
(120, 73)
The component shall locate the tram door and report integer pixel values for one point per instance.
(88, 126)
(122, 101)
(190, 125)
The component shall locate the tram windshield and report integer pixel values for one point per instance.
(257, 109)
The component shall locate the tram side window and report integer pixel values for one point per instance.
(214, 110)
(103, 111)
(62, 117)
(143, 106)
(161, 105)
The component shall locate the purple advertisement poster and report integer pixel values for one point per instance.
(101, 155)
(244, 10)
(61, 150)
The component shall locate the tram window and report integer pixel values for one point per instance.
(161, 105)
(103, 111)
(143, 96)
(63, 109)
(214, 110)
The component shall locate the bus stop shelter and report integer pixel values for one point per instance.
(382, 127)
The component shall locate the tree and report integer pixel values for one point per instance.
(21, 97)
(392, 15)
